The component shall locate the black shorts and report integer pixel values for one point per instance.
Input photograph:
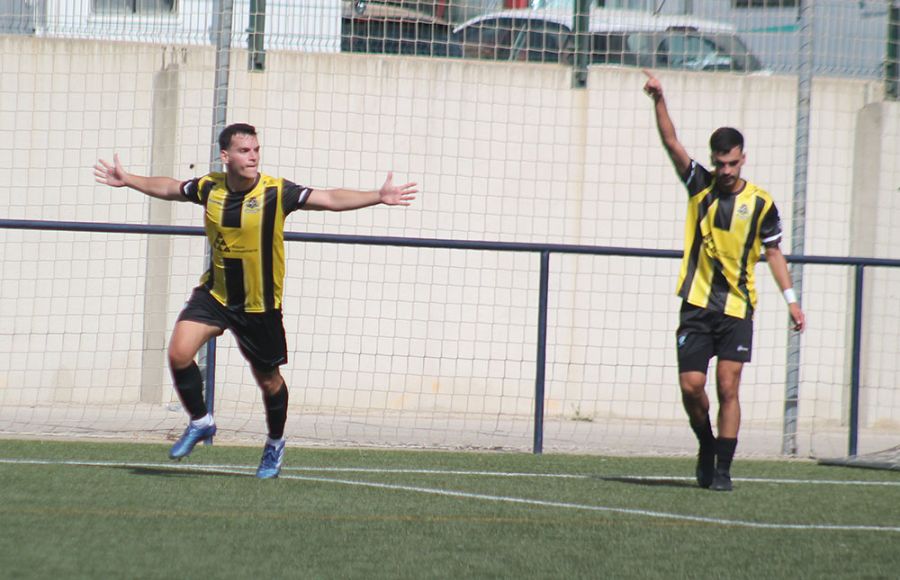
(703, 334)
(260, 336)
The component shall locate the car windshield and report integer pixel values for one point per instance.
(744, 59)
(693, 51)
(531, 40)
(690, 52)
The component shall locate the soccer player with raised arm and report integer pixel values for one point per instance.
(729, 223)
(241, 291)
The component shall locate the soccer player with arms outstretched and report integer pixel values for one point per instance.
(729, 222)
(242, 289)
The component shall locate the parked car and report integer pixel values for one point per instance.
(622, 37)
(381, 28)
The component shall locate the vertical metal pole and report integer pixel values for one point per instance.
(540, 371)
(256, 33)
(223, 15)
(798, 233)
(892, 64)
(581, 28)
(222, 22)
(856, 361)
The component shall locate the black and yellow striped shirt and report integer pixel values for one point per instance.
(723, 239)
(246, 237)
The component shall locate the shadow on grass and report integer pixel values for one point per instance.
(178, 472)
(648, 481)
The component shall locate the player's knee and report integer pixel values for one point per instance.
(179, 358)
(269, 380)
(728, 395)
(693, 385)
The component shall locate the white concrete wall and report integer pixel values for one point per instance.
(874, 233)
(501, 152)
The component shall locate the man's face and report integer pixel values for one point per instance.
(241, 159)
(727, 169)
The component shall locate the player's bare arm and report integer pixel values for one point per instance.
(347, 199)
(677, 153)
(114, 175)
(778, 265)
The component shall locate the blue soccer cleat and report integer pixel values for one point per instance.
(191, 436)
(272, 458)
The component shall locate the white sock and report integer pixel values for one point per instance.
(275, 442)
(204, 421)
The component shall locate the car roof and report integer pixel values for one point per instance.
(610, 20)
(376, 11)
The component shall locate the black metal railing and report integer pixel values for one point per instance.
(544, 250)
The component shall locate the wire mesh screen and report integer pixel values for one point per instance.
(432, 347)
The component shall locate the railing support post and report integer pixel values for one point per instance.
(540, 371)
(856, 358)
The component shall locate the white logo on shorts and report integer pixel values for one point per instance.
(742, 348)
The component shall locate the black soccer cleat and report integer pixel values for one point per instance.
(706, 467)
(721, 481)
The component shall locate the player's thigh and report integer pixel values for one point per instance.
(201, 319)
(734, 339)
(187, 339)
(695, 341)
(728, 378)
(261, 339)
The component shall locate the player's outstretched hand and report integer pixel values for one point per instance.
(397, 194)
(797, 317)
(112, 175)
(652, 87)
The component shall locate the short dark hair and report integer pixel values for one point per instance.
(724, 139)
(232, 130)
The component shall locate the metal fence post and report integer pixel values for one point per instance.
(798, 233)
(853, 426)
(540, 371)
(222, 26)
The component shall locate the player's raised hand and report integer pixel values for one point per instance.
(112, 175)
(391, 194)
(652, 87)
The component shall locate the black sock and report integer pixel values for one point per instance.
(725, 453)
(704, 434)
(276, 411)
(189, 385)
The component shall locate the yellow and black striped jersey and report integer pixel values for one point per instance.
(246, 237)
(723, 239)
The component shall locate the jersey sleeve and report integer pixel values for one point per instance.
(293, 196)
(770, 227)
(191, 190)
(696, 178)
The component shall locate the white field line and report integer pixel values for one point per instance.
(576, 506)
(247, 470)
(373, 470)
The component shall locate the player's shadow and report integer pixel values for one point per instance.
(176, 472)
(648, 481)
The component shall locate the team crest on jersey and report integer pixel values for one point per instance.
(252, 205)
(743, 212)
